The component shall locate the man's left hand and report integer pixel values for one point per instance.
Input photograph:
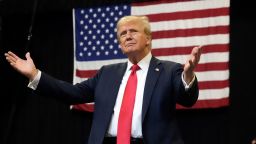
(192, 63)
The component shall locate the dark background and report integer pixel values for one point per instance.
(30, 119)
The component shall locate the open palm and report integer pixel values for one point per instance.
(25, 67)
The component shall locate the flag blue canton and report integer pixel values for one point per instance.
(96, 32)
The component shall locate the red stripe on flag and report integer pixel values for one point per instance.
(84, 107)
(200, 68)
(211, 103)
(189, 14)
(187, 50)
(86, 73)
(212, 66)
(158, 2)
(213, 84)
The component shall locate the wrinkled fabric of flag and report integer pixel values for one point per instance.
(177, 27)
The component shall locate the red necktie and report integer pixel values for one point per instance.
(125, 115)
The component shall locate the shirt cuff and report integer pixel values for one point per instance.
(34, 83)
(187, 86)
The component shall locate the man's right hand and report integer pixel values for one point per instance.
(25, 67)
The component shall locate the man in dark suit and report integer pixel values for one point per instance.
(160, 85)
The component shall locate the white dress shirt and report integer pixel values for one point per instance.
(137, 112)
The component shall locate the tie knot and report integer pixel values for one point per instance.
(135, 68)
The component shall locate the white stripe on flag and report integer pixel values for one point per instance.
(210, 94)
(212, 75)
(190, 23)
(179, 6)
(191, 41)
(205, 58)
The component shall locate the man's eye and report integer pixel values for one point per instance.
(122, 36)
(133, 32)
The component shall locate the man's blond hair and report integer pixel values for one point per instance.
(143, 19)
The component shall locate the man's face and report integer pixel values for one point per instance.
(132, 38)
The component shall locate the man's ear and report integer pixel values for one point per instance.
(148, 40)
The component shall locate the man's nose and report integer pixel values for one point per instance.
(128, 35)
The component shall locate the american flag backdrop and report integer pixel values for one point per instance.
(177, 26)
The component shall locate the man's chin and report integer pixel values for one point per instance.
(128, 50)
(130, 53)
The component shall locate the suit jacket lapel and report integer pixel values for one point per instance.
(153, 73)
(118, 76)
(108, 107)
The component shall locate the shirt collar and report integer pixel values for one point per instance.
(143, 64)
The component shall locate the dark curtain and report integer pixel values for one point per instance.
(243, 107)
(28, 118)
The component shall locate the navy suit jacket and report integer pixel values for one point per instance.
(163, 89)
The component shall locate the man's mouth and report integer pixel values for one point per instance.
(129, 45)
